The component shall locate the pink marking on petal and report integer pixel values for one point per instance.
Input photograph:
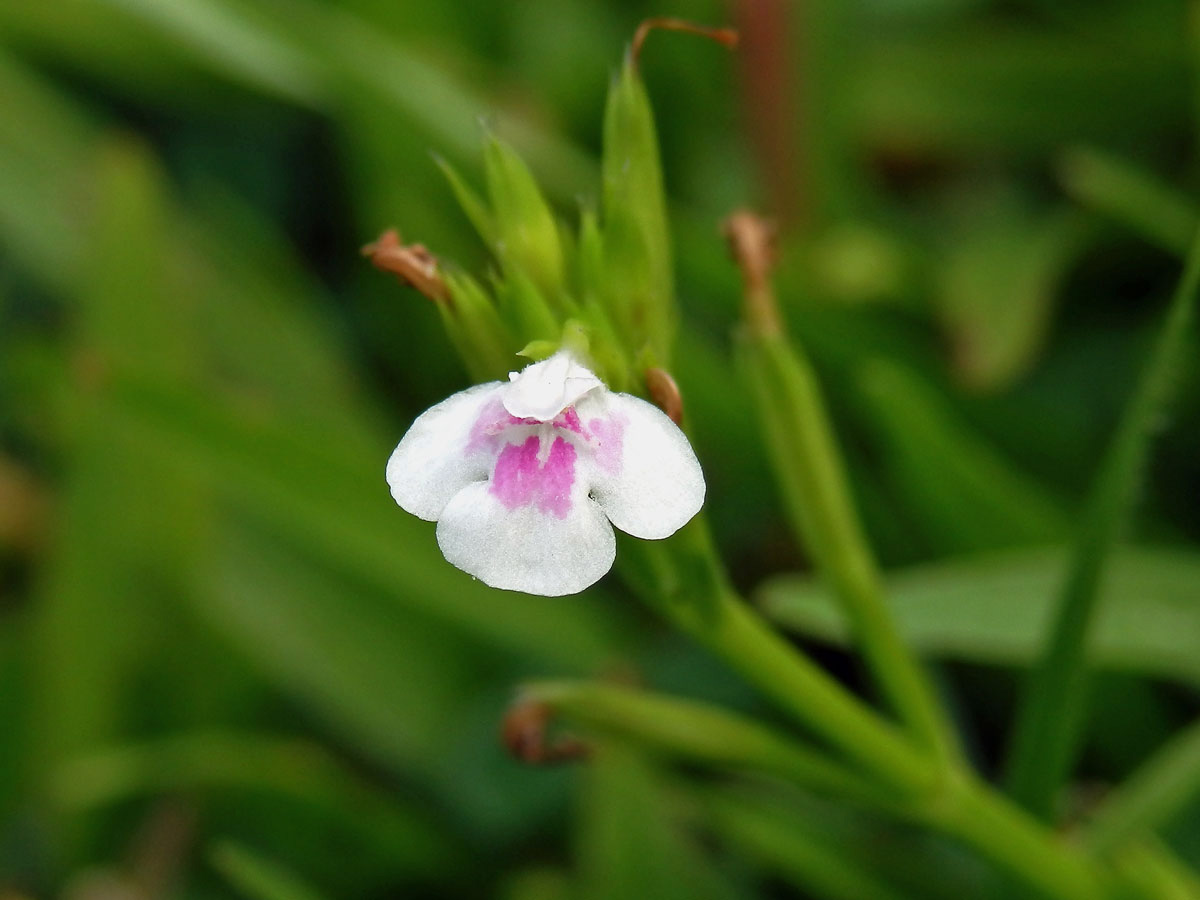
(558, 474)
(490, 425)
(484, 433)
(569, 419)
(519, 479)
(608, 436)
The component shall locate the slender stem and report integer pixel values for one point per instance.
(1052, 710)
(971, 811)
(683, 580)
(800, 440)
(703, 734)
(804, 689)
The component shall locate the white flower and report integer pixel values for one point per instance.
(524, 477)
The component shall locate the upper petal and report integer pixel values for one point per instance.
(543, 390)
(526, 547)
(444, 450)
(643, 472)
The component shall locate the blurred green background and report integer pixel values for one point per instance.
(229, 666)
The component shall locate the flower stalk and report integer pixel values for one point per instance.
(802, 449)
(698, 733)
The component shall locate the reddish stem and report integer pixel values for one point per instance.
(727, 37)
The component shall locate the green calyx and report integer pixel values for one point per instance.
(603, 289)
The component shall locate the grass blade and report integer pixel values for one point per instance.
(1048, 723)
(257, 877)
(1163, 786)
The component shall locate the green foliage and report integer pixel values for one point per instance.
(992, 609)
(258, 878)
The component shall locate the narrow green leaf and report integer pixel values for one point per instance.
(349, 652)
(1162, 787)
(472, 204)
(1046, 733)
(266, 324)
(409, 85)
(1164, 217)
(998, 289)
(525, 237)
(257, 877)
(488, 343)
(799, 850)
(1152, 870)
(242, 764)
(540, 883)
(43, 139)
(301, 52)
(628, 842)
(764, 820)
(232, 44)
(526, 308)
(127, 528)
(973, 88)
(589, 258)
(965, 493)
(994, 608)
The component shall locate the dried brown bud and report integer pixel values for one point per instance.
(24, 508)
(524, 734)
(665, 393)
(752, 243)
(412, 263)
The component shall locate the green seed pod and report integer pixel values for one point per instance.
(638, 278)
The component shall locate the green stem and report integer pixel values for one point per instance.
(960, 806)
(808, 466)
(699, 733)
(682, 579)
(1051, 712)
(971, 811)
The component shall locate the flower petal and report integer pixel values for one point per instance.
(543, 390)
(437, 457)
(643, 472)
(525, 548)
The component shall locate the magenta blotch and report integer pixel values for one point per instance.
(493, 420)
(608, 443)
(569, 419)
(520, 479)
